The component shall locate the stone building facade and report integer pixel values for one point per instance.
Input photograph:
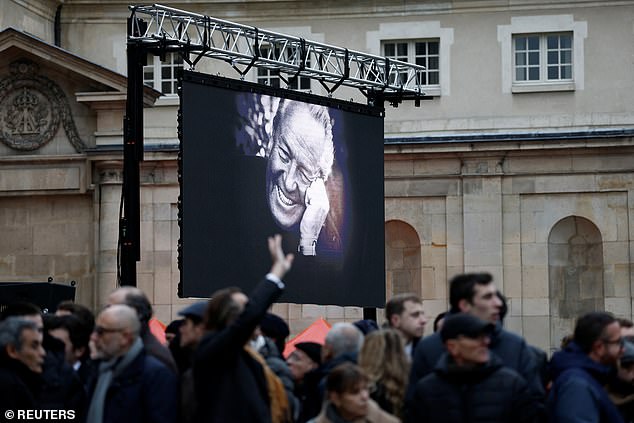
(520, 165)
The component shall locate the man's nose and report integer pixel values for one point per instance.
(290, 179)
(498, 301)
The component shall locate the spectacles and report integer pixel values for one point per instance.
(100, 330)
(620, 342)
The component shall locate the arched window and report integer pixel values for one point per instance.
(575, 270)
(402, 259)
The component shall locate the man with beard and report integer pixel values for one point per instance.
(582, 369)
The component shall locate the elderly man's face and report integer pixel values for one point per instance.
(109, 337)
(31, 352)
(293, 165)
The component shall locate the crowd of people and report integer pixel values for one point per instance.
(224, 363)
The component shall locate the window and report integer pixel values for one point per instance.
(542, 54)
(419, 52)
(162, 75)
(542, 58)
(425, 43)
(272, 77)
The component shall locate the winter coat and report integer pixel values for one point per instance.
(490, 393)
(18, 385)
(509, 347)
(329, 414)
(577, 394)
(312, 390)
(146, 391)
(230, 385)
(61, 388)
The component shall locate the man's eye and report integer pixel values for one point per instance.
(305, 176)
(283, 156)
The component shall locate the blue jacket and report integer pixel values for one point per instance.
(145, 392)
(577, 394)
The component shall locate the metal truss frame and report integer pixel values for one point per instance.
(160, 29)
(163, 29)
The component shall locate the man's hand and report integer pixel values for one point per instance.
(281, 263)
(317, 208)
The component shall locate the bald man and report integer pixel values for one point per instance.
(131, 386)
(137, 299)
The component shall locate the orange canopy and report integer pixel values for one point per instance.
(158, 330)
(316, 332)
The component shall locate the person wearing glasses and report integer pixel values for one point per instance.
(583, 368)
(131, 386)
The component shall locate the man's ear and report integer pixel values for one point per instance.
(464, 305)
(395, 320)
(12, 351)
(451, 346)
(78, 352)
(598, 348)
(326, 353)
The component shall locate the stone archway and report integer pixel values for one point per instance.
(402, 259)
(575, 271)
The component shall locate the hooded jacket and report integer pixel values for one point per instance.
(577, 394)
(490, 393)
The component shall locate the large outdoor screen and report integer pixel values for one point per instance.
(256, 161)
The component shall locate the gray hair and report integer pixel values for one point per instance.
(344, 338)
(125, 315)
(11, 332)
(321, 115)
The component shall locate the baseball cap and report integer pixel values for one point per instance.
(196, 310)
(466, 325)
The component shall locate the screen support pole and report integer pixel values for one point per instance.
(129, 224)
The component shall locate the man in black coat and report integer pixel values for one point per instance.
(476, 294)
(469, 383)
(21, 360)
(131, 386)
(231, 384)
(60, 387)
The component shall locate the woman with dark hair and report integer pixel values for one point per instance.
(348, 398)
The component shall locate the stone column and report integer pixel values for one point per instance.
(107, 204)
(482, 216)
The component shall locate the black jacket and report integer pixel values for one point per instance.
(18, 385)
(146, 391)
(509, 347)
(486, 394)
(61, 388)
(230, 385)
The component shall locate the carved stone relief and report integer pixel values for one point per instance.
(32, 108)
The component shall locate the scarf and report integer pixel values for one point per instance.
(280, 410)
(108, 370)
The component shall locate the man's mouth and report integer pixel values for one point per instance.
(283, 198)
